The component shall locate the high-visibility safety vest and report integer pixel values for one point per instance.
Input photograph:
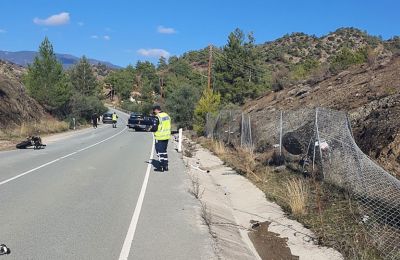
(164, 127)
(114, 117)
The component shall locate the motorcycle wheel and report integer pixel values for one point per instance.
(23, 145)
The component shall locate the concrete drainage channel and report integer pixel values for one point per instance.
(241, 222)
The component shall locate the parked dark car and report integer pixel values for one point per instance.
(140, 122)
(107, 118)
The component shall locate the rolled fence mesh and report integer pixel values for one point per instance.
(320, 141)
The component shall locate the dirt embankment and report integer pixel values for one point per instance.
(15, 105)
(369, 93)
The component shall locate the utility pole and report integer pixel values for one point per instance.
(161, 82)
(209, 66)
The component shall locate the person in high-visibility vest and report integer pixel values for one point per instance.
(161, 136)
(114, 120)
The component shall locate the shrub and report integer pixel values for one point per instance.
(143, 107)
(83, 107)
(346, 58)
(297, 196)
(208, 103)
(180, 103)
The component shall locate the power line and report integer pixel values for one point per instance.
(237, 63)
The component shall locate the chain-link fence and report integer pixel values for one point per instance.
(320, 141)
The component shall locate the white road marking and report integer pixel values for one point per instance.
(126, 248)
(60, 158)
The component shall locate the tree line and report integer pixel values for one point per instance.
(64, 94)
(241, 70)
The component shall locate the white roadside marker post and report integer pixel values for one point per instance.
(180, 140)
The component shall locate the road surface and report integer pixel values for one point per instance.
(93, 195)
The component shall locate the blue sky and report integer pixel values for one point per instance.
(123, 32)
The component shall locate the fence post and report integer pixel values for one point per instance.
(313, 143)
(241, 131)
(280, 134)
(229, 130)
(319, 141)
(250, 136)
(73, 120)
(180, 137)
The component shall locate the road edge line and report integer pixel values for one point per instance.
(126, 247)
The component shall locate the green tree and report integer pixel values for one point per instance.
(122, 81)
(146, 77)
(46, 81)
(83, 79)
(238, 72)
(181, 103)
(208, 103)
(162, 64)
(83, 107)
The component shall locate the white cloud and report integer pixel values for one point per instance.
(166, 30)
(94, 36)
(154, 53)
(2, 31)
(81, 23)
(54, 20)
(106, 37)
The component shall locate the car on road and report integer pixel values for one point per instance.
(107, 118)
(140, 122)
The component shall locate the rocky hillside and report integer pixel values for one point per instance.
(15, 105)
(297, 47)
(347, 69)
(370, 94)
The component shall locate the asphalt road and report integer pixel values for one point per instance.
(93, 195)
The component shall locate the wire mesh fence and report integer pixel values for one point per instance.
(320, 141)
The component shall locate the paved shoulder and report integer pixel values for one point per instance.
(169, 225)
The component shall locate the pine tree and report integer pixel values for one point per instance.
(46, 81)
(208, 103)
(162, 64)
(83, 79)
(237, 70)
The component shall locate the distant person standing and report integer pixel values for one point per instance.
(114, 120)
(161, 136)
(95, 117)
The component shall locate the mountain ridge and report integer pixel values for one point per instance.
(23, 58)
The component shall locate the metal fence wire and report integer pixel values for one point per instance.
(321, 141)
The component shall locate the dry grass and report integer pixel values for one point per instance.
(248, 159)
(297, 196)
(218, 148)
(46, 126)
(195, 188)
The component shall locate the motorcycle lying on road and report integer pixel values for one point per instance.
(4, 250)
(34, 141)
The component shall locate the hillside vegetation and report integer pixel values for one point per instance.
(242, 71)
(15, 104)
(347, 70)
(44, 97)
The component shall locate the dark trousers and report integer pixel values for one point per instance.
(161, 150)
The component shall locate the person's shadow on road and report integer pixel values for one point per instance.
(156, 164)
